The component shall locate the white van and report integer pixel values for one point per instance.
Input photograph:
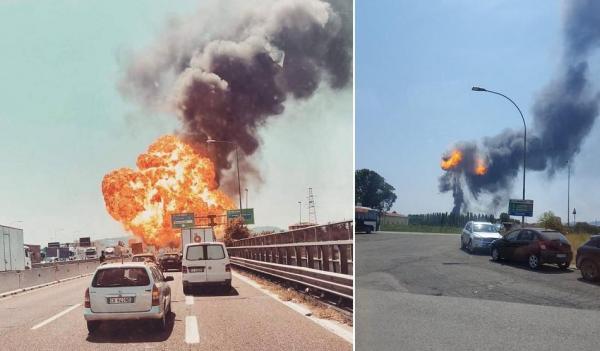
(205, 264)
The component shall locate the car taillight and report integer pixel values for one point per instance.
(86, 300)
(155, 296)
(228, 268)
(183, 269)
(543, 246)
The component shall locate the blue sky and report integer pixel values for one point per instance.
(416, 62)
(64, 124)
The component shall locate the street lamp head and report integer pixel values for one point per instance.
(477, 89)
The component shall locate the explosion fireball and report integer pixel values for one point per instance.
(171, 178)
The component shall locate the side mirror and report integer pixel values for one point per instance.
(169, 278)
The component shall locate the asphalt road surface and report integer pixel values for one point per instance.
(51, 318)
(421, 292)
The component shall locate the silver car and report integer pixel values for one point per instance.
(127, 291)
(478, 236)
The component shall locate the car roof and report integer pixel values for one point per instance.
(123, 265)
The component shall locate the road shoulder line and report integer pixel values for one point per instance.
(331, 326)
(56, 316)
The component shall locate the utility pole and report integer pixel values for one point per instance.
(568, 194)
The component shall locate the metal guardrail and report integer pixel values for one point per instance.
(318, 256)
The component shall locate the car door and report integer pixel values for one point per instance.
(523, 243)
(162, 285)
(215, 263)
(507, 244)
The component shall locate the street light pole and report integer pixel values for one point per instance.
(237, 163)
(568, 194)
(300, 207)
(524, 137)
(246, 190)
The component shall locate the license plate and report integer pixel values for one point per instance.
(561, 255)
(196, 269)
(115, 300)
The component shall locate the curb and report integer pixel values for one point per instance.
(18, 291)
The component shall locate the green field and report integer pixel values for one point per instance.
(419, 228)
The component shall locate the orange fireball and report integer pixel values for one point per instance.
(450, 162)
(480, 167)
(171, 178)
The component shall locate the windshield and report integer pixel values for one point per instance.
(487, 228)
(112, 277)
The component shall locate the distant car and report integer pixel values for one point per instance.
(588, 259)
(144, 257)
(205, 264)
(478, 236)
(535, 246)
(170, 261)
(127, 291)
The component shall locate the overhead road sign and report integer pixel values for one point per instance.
(247, 214)
(520, 208)
(182, 220)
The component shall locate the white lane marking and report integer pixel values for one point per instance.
(337, 328)
(56, 316)
(189, 300)
(192, 336)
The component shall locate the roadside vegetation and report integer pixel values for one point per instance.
(420, 228)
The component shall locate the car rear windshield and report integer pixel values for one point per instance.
(205, 252)
(554, 236)
(112, 277)
(488, 228)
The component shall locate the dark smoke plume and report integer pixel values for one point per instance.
(226, 73)
(564, 113)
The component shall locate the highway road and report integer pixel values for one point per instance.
(422, 292)
(51, 318)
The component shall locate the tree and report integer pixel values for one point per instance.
(371, 190)
(550, 221)
(235, 230)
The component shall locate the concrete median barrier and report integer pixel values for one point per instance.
(9, 281)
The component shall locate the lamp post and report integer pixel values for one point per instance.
(237, 163)
(568, 194)
(300, 207)
(246, 190)
(524, 137)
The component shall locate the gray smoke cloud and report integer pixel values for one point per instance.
(564, 113)
(228, 71)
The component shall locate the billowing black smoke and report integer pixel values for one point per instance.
(228, 72)
(564, 113)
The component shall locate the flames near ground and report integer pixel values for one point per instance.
(171, 177)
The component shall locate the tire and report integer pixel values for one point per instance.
(496, 254)
(589, 271)
(462, 243)
(92, 326)
(227, 287)
(161, 324)
(563, 266)
(470, 246)
(369, 230)
(186, 290)
(533, 261)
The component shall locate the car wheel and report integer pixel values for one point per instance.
(92, 326)
(368, 230)
(495, 254)
(161, 324)
(462, 243)
(227, 287)
(563, 266)
(533, 261)
(186, 290)
(470, 246)
(589, 271)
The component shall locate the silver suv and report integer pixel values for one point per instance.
(127, 291)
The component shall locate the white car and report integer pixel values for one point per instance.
(127, 291)
(205, 264)
(478, 236)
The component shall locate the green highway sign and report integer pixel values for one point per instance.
(182, 220)
(520, 208)
(247, 214)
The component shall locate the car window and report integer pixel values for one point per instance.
(215, 252)
(113, 277)
(526, 235)
(468, 227)
(156, 274)
(482, 227)
(195, 253)
(553, 235)
(512, 236)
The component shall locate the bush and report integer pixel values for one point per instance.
(235, 230)
(549, 221)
